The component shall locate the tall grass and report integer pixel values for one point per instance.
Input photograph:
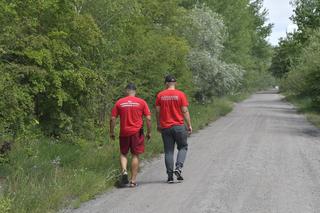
(305, 106)
(43, 175)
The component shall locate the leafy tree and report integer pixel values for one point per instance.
(285, 56)
(306, 17)
(296, 58)
(245, 41)
(51, 50)
(67, 61)
(140, 44)
(304, 78)
(205, 33)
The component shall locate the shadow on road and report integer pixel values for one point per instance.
(271, 91)
(141, 183)
(156, 182)
(285, 117)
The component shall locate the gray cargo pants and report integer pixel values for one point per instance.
(170, 136)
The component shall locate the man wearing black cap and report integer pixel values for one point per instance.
(172, 110)
(131, 110)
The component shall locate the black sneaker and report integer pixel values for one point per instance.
(124, 178)
(177, 172)
(170, 179)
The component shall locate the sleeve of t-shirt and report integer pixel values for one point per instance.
(184, 100)
(114, 111)
(146, 110)
(158, 101)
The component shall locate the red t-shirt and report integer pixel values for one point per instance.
(131, 110)
(170, 102)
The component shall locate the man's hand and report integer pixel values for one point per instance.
(148, 136)
(112, 136)
(159, 128)
(189, 130)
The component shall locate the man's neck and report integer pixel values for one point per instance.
(171, 88)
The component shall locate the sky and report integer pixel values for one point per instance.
(279, 14)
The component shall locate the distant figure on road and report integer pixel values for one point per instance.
(172, 109)
(131, 110)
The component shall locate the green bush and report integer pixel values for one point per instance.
(304, 79)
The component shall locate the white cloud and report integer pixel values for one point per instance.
(280, 12)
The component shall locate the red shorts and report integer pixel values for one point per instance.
(134, 142)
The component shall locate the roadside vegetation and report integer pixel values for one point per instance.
(304, 105)
(296, 60)
(64, 63)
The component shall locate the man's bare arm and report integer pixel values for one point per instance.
(158, 118)
(148, 122)
(112, 126)
(187, 118)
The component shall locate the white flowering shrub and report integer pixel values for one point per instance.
(212, 76)
(205, 30)
(206, 33)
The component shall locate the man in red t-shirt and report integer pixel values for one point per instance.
(131, 110)
(172, 110)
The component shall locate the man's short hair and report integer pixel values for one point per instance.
(131, 86)
(169, 78)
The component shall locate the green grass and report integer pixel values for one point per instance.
(44, 175)
(304, 105)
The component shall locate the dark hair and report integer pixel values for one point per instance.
(131, 86)
(169, 78)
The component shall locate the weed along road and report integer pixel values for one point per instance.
(261, 158)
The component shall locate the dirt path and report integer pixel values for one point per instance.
(261, 158)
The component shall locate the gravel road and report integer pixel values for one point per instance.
(261, 158)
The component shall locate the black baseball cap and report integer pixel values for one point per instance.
(131, 86)
(169, 78)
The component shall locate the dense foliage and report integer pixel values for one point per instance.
(63, 63)
(206, 33)
(296, 60)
